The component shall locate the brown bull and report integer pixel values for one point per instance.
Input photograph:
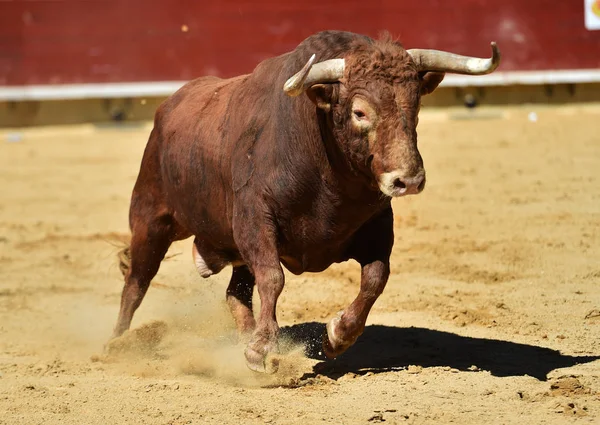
(261, 177)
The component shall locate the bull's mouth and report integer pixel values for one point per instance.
(394, 184)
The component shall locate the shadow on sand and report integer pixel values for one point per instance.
(385, 348)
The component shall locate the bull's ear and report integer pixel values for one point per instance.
(322, 95)
(430, 81)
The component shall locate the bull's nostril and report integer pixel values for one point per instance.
(399, 184)
(421, 185)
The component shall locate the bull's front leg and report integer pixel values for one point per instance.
(372, 247)
(256, 241)
(269, 282)
(348, 325)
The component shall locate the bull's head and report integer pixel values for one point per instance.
(375, 106)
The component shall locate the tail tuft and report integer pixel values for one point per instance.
(124, 256)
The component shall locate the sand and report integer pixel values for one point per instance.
(491, 315)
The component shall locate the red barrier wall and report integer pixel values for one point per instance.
(82, 41)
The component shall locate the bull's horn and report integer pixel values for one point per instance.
(328, 71)
(436, 60)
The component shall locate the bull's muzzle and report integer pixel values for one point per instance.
(396, 183)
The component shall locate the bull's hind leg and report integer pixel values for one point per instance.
(151, 238)
(372, 247)
(239, 299)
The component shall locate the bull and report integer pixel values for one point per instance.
(263, 177)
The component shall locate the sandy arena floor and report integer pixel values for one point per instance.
(491, 315)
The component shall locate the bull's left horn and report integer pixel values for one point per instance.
(439, 61)
(329, 71)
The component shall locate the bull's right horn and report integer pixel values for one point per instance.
(329, 71)
(437, 60)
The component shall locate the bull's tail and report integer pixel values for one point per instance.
(124, 257)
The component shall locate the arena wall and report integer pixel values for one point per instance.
(116, 49)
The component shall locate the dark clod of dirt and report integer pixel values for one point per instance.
(592, 314)
(376, 418)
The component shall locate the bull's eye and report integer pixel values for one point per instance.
(359, 114)
(363, 115)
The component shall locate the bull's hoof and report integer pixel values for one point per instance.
(333, 343)
(143, 339)
(260, 354)
(263, 363)
(107, 348)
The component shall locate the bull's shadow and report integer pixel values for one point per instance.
(385, 348)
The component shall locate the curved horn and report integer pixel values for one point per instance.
(328, 71)
(437, 60)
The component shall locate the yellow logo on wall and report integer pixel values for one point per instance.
(592, 14)
(596, 8)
